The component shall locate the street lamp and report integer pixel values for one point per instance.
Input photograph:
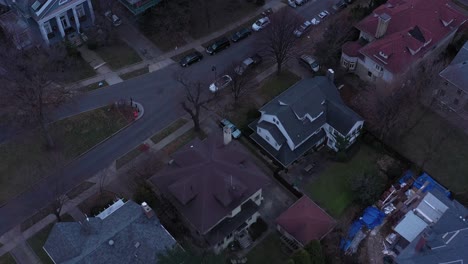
(213, 69)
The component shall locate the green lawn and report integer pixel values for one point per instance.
(95, 86)
(82, 70)
(448, 163)
(25, 160)
(7, 259)
(168, 130)
(128, 156)
(268, 251)
(37, 241)
(183, 140)
(118, 55)
(135, 73)
(331, 189)
(276, 84)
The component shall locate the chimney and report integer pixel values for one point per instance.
(227, 135)
(331, 75)
(384, 20)
(148, 211)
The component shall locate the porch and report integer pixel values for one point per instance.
(139, 6)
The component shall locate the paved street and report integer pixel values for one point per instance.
(158, 92)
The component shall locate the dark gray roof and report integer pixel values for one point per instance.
(311, 96)
(445, 241)
(457, 72)
(285, 156)
(274, 131)
(88, 242)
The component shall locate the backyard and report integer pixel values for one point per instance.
(25, 159)
(268, 251)
(331, 189)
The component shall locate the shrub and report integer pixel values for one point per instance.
(258, 228)
(144, 193)
(301, 257)
(314, 248)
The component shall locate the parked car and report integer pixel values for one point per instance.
(261, 24)
(302, 29)
(292, 3)
(339, 6)
(248, 63)
(220, 83)
(241, 34)
(191, 58)
(323, 14)
(218, 45)
(236, 133)
(309, 62)
(315, 21)
(113, 18)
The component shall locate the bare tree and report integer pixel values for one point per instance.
(241, 84)
(277, 40)
(197, 98)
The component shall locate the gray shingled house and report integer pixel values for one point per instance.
(452, 94)
(436, 231)
(124, 233)
(216, 187)
(310, 113)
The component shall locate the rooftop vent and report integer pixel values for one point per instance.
(111, 242)
(137, 244)
(148, 211)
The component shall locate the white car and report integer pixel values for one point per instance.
(113, 18)
(315, 21)
(220, 83)
(303, 28)
(261, 24)
(323, 14)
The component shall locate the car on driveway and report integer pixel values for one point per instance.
(241, 34)
(323, 14)
(191, 58)
(235, 132)
(113, 18)
(220, 83)
(247, 64)
(315, 21)
(218, 45)
(302, 29)
(261, 24)
(309, 62)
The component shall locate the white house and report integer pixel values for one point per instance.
(308, 114)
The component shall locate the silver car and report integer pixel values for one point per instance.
(309, 62)
(220, 83)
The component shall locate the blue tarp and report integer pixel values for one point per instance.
(408, 174)
(372, 217)
(433, 184)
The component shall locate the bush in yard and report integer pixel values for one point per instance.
(314, 249)
(144, 193)
(368, 186)
(258, 228)
(301, 257)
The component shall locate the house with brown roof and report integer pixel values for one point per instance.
(398, 35)
(216, 188)
(302, 223)
(452, 93)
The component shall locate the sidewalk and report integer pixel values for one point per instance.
(162, 60)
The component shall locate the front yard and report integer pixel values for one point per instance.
(25, 160)
(331, 190)
(118, 55)
(268, 251)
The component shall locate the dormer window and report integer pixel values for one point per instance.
(446, 23)
(36, 6)
(383, 55)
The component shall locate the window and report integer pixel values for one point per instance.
(47, 27)
(257, 197)
(459, 92)
(455, 102)
(274, 120)
(345, 64)
(378, 67)
(80, 10)
(267, 138)
(369, 73)
(352, 65)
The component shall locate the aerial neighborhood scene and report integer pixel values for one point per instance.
(234, 131)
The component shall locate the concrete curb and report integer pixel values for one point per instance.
(142, 111)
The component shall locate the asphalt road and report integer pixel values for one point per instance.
(158, 92)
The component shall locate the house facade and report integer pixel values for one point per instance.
(48, 21)
(452, 93)
(307, 115)
(216, 189)
(139, 6)
(398, 35)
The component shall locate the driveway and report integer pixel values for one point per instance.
(159, 93)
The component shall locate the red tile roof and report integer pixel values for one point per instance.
(208, 179)
(418, 25)
(305, 221)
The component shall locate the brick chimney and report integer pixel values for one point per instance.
(148, 211)
(227, 135)
(384, 20)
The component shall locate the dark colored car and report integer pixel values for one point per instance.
(241, 34)
(248, 63)
(191, 58)
(339, 6)
(218, 45)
